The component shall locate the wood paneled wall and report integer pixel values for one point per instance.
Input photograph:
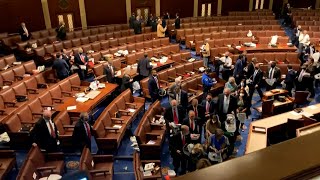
(183, 7)
(234, 5)
(13, 12)
(101, 12)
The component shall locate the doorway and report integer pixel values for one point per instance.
(143, 12)
(67, 18)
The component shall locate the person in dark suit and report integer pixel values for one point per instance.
(208, 106)
(24, 33)
(226, 105)
(256, 82)
(290, 78)
(144, 68)
(273, 73)
(45, 133)
(176, 144)
(194, 128)
(137, 26)
(238, 72)
(250, 68)
(109, 71)
(150, 19)
(163, 22)
(199, 111)
(154, 24)
(131, 21)
(68, 58)
(154, 86)
(177, 22)
(166, 15)
(81, 60)
(175, 113)
(126, 82)
(61, 67)
(297, 31)
(82, 133)
(61, 31)
(181, 96)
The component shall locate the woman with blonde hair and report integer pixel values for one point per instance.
(197, 153)
(231, 84)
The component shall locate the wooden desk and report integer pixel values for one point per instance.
(308, 129)
(278, 104)
(266, 48)
(88, 105)
(257, 141)
(133, 71)
(274, 92)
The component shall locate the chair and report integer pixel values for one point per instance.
(137, 163)
(8, 161)
(300, 98)
(266, 109)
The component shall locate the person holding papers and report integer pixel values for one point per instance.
(81, 61)
(226, 66)
(273, 76)
(255, 82)
(174, 114)
(194, 128)
(205, 50)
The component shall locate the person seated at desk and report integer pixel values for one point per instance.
(218, 147)
(273, 76)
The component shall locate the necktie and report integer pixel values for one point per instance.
(191, 125)
(271, 73)
(158, 85)
(112, 73)
(175, 117)
(195, 111)
(301, 75)
(208, 107)
(53, 133)
(255, 73)
(226, 105)
(88, 130)
(183, 140)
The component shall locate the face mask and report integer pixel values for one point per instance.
(273, 66)
(256, 68)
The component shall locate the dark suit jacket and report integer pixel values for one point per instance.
(276, 74)
(131, 21)
(232, 104)
(168, 115)
(212, 107)
(137, 27)
(175, 143)
(125, 84)
(177, 23)
(23, 36)
(201, 112)
(40, 135)
(80, 137)
(183, 99)
(77, 59)
(196, 130)
(250, 70)
(257, 80)
(238, 68)
(108, 73)
(153, 88)
(61, 33)
(67, 58)
(144, 68)
(61, 67)
(290, 78)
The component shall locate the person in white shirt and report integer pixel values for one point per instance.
(304, 40)
(226, 66)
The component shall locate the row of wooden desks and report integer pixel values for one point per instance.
(257, 138)
(267, 48)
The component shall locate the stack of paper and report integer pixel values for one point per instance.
(147, 173)
(92, 94)
(117, 126)
(101, 85)
(151, 142)
(131, 110)
(69, 108)
(312, 107)
(149, 166)
(82, 99)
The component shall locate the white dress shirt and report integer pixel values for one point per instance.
(226, 101)
(304, 39)
(227, 61)
(48, 125)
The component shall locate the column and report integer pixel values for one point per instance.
(83, 15)
(317, 4)
(270, 4)
(285, 1)
(257, 4)
(195, 8)
(261, 4)
(250, 5)
(219, 7)
(46, 13)
(128, 9)
(158, 8)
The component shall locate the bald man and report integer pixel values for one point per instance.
(45, 133)
(82, 133)
(175, 113)
(226, 104)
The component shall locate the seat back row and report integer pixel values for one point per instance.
(107, 135)
(224, 18)
(232, 26)
(253, 13)
(148, 131)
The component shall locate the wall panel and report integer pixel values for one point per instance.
(234, 5)
(183, 7)
(101, 12)
(13, 12)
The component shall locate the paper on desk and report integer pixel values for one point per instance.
(151, 142)
(101, 85)
(149, 166)
(147, 173)
(117, 126)
(69, 108)
(312, 107)
(307, 114)
(131, 110)
(82, 99)
(294, 113)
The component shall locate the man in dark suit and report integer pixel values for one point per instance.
(81, 60)
(137, 26)
(109, 71)
(194, 128)
(144, 68)
(238, 73)
(177, 22)
(154, 86)
(226, 105)
(250, 68)
(208, 106)
(176, 144)
(297, 31)
(199, 111)
(45, 133)
(131, 21)
(181, 96)
(24, 33)
(61, 67)
(61, 31)
(82, 133)
(273, 73)
(290, 78)
(175, 113)
(67, 58)
(256, 82)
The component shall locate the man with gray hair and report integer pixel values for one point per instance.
(82, 132)
(171, 89)
(226, 104)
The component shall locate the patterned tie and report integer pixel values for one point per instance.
(191, 125)
(195, 111)
(88, 130)
(208, 107)
(175, 117)
(53, 133)
(156, 79)
(183, 140)
(82, 59)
